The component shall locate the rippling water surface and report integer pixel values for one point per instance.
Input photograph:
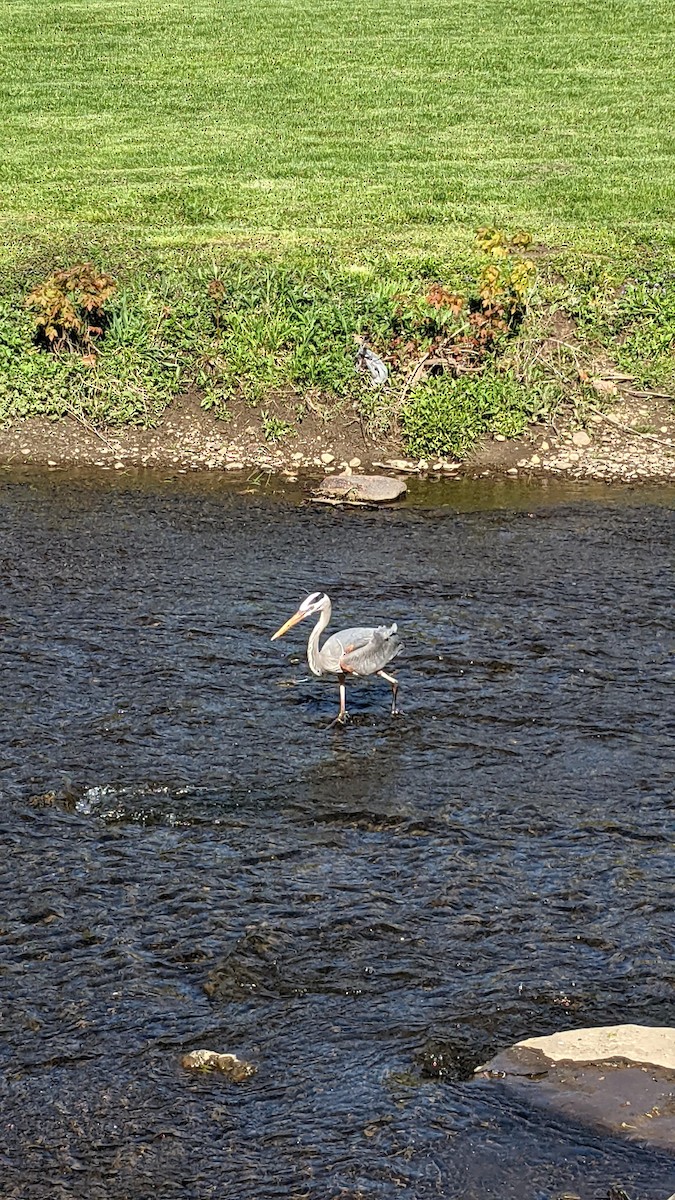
(192, 858)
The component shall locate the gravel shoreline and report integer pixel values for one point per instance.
(632, 440)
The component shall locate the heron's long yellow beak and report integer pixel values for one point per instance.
(289, 625)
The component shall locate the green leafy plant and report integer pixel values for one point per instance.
(69, 307)
(505, 282)
(642, 323)
(274, 429)
(446, 415)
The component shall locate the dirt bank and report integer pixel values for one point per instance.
(632, 438)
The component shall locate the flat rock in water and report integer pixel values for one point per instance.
(618, 1077)
(370, 489)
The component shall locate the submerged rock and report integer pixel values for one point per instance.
(619, 1077)
(355, 489)
(228, 1064)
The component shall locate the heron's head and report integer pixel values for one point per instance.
(311, 604)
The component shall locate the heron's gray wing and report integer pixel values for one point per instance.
(362, 651)
(334, 648)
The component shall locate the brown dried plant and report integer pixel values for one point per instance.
(69, 308)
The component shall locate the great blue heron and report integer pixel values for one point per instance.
(355, 652)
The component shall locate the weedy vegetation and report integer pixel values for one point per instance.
(274, 429)
(467, 345)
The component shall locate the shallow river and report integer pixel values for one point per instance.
(365, 914)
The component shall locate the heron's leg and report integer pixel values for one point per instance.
(343, 715)
(395, 711)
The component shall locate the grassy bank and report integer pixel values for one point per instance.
(250, 328)
(325, 166)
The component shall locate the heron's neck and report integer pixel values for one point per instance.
(313, 651)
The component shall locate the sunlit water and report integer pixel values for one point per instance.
(366, 914)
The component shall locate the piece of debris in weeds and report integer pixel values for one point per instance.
(368, 361)
(227, 1064)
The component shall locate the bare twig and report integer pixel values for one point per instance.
(560, 342)
(90, 428)
(652, 395)
(465, 369)
(341, 503)
(414, 376)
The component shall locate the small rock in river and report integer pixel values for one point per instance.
(228, 1064)
(327, 457)
(44, 800)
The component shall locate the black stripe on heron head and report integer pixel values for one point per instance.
(314, 600)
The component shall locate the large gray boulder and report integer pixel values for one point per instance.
(361, 489)
(618, 1077)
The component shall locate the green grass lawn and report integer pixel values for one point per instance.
(387, 122)
(324, 161)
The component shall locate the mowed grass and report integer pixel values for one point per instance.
(387, 123)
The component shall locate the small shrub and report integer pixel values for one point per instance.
(462, 331)
(446, 416)
(505, 282)
(274, 429)
(440, 297)
(69, 307)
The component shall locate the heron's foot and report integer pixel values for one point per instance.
(396, 712)
(342, 719)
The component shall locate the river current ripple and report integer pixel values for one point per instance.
(190, 857)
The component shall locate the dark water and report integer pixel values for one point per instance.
(367, 914)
